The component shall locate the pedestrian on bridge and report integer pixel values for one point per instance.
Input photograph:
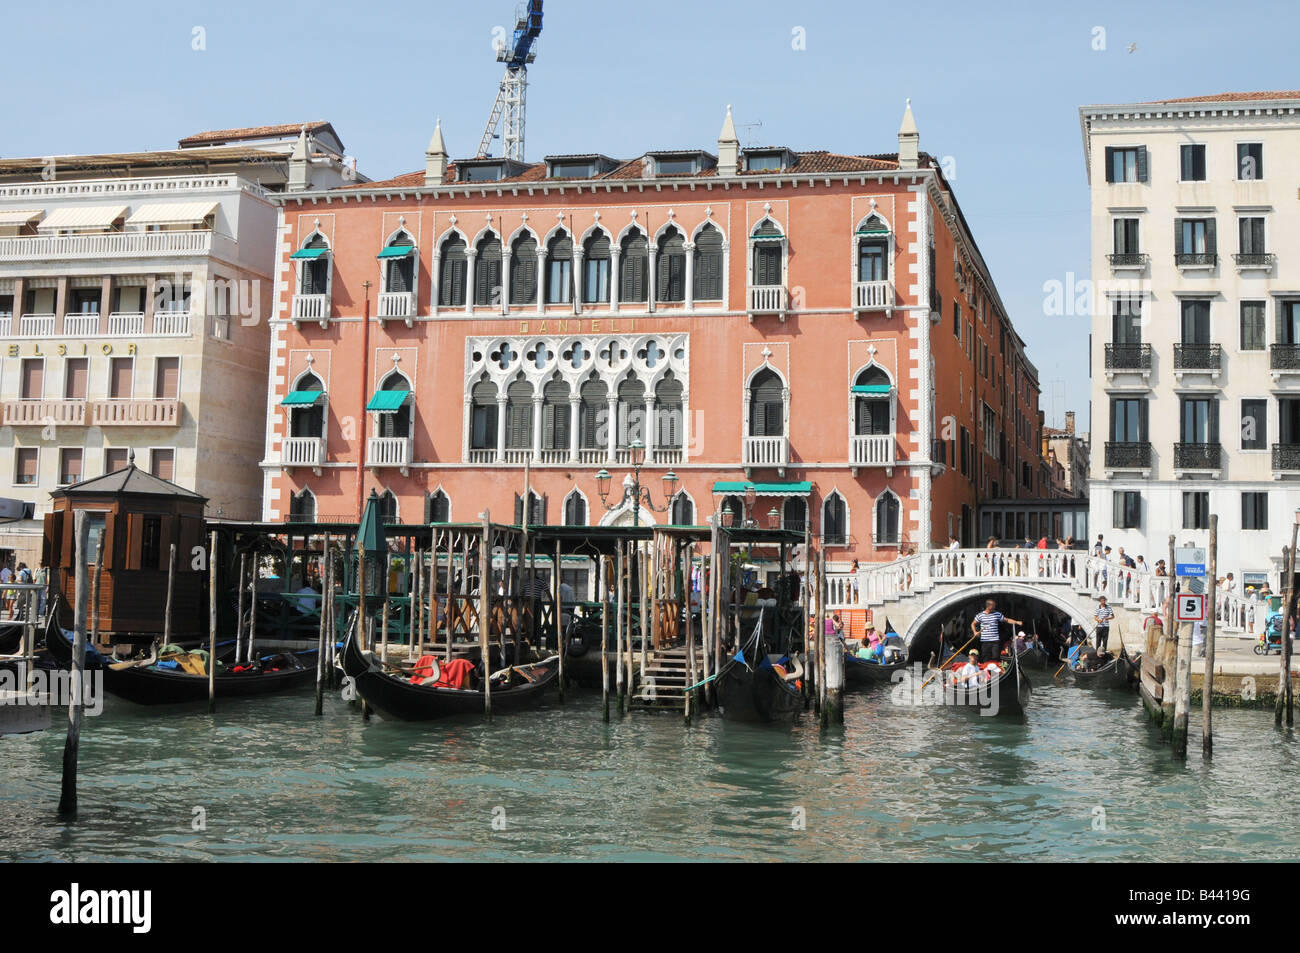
(988, 624)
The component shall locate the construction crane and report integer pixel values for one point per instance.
(514, 86)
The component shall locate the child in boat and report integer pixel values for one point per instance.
(970, 672)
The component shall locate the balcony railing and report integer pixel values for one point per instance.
(139, 413)
(81, 325)
(667, 456)
(1198, 456)
(767, 299)
(482, 455)
(872, 450)
(1128, 259)
(766, 452)
(126, 322)
(873, 295)
(105, 245)
(1286, 457)
(554, 455)
(1128, 455)
(1285, 357)
(396, 304)
(171, 323)
(311, 308)
(302, 451)
(388, 452)
(590, 456)
(36, 325)
(1198, 357)
(6, 324)
(70, 413)
(518, 455)
(1196, 259)
(1253, 259)
(1128, 357)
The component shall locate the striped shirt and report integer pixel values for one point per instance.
(1104, 615)
(989, 623)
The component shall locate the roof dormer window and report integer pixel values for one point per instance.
(578, 167)
(487, 170)
(768, 160)
(681, 163)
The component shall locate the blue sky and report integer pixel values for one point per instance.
(997, 92)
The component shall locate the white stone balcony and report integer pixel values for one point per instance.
(591, 456)
(105, 245)
(767, 452)
(396, 305)
(40, 413)
(302, 452)
(389, 452)
(873, 295)
(484, 455)
(81, 325)
(36, 325)
(310, 308)
(137, 413)
(123, 323)
(768, 299)
(554, 455)
(871, 450)
(171, 323)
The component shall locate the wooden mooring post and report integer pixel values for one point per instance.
(212, 623)
(560, 640)
(76, 706)
(1207, 682)
(1288, 623)
(327, 591)
(171, 587)
(618, 626)
(485, 609)
(239, 609)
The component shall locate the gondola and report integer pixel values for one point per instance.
(748, 692)
(1007, 694)
(1117, 673)
(146, 685)
(396, 697)
(860, 671)
(1033, 656)
(11, 638)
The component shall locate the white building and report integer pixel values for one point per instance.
(1195, 353)
(134, 292)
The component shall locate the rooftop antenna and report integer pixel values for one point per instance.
(516, 54)
(749, 128)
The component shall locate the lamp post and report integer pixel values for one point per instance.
(633, 490)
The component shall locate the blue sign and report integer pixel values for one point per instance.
(1189, 561)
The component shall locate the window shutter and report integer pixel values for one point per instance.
(661, 279)
(519, 510)
(1211, 243)
(1178, 236)
(1213, 421)
(1142, 421)
(1142, 163)
(775, 420)
(1110, 164)
(561, 427)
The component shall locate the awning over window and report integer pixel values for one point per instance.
(801, 488)
(302, 398)
(172, 213)
(767, 235)
(84, 216)
(310, 252)
(396, 251)
(882, 389)
(873, 230)
(388, 401)
(19, 216)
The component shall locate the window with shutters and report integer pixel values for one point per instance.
(1254, 510)
(1126, 508)
(1288, 322)
(1126, 236)
(670, 267)
(1254, 423)
(167, 378)
(536, 509)
(835, 520)
(1200, 420)
(314, 276)
(1196, 321)
(76, 373)
(302, 507)
(766, 405)
(595, 269)
(388, 507)
(116, 458)
(150, 541)
(559, 269)
(483, 416)
(121, 371)
(631, 412)
(308, 421)
(33, 378)
(555, 415)
(1252, 326)
(683, 511)
(162, 463)
(1128, 419)
(794, 514)
(519, 414)
(70, 465)
(437, 507)
(575, 509)
(487, 271)
(1194, 241)
(767, 264)
(453, 271)
(593, 408)
(733, 511)
(399, 269)
(1191, 162)
(523, 270)
(395, 423)
(956, 320)
(669, 413)
(708, 265)
(1250, 161)
(872, 402)
(873, 259)
(25, 465)
(1196, 510)
(1126, 164)
(96, 524)
(1250, 232)
(1126, 320)
(888, 512)
(634, 267)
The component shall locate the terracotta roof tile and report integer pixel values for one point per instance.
(252, 132)
(1230, 97)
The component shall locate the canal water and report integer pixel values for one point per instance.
(1082, 777)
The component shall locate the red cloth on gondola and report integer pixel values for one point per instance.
(455, 674)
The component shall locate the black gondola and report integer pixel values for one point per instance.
(1006, 694)
(757, 693)
(395, 697)
(1033, 656)
(1117, 673)
(11, 638)
(144, 685)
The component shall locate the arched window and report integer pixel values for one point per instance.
(555, 415)
(387, 507)
(873, 249)
(308, 420)
(575, 509)
(888, 512)
(768, 249)
(708, 265)
(734, 506)
(871, 402)
(631, 412)
(683, 512)
(452, 273)
(523, 270)
(302, 507)
(593, 408)
(595, 269)
(314, 278)
(519, 414)
(536, 509)
(668, 413)
(633, 267)
(437, 507)
(766, 405)
(487, 271)
(483, 416)
(794, 514)
(835, 520)
(395, 423)
(670, 267)
(559, 269)
(399, 264)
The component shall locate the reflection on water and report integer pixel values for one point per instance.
(1081, 777)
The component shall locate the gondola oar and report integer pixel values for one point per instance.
(947, 660)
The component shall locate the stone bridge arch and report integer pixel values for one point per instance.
(943, 600)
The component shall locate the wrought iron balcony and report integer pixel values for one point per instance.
(1285, 357)
(1128, 357)
(1128, 259)
(1286, 457)
(1198, 357)
(1198, 456)
(1128, 455)
(1196, 259)
(1253, 259)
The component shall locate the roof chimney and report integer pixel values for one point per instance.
(1069, 422)
(908, 141)
(300, 164)
(728, 147)
(435, 158)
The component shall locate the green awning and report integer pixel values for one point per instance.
(871, 388)
(301, 398)
(801, 488)
(767, 236)
(396, 251)
(388, 401)
(310, 253)
(872, 231)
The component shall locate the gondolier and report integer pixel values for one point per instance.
(1102, 617)
(989, 626)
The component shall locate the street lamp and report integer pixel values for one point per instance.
(633, 491)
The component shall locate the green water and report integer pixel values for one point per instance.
(277, 783)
